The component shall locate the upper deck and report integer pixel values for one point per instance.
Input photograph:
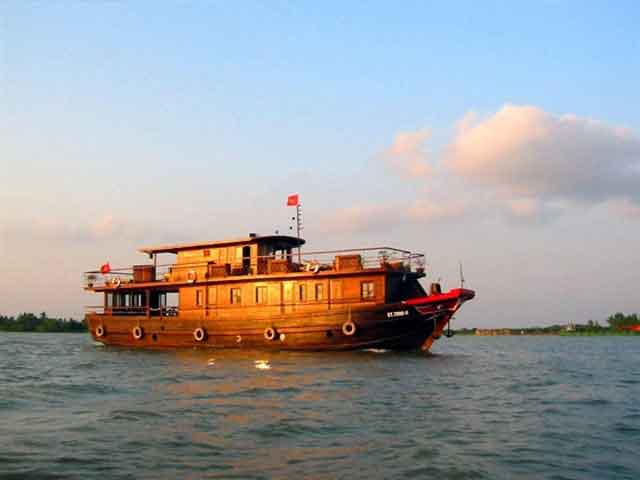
(247, 258)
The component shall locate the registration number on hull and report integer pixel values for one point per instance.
(399, 313)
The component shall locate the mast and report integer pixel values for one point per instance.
(298, 228)
(294, 201)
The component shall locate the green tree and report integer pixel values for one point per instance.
(619, 320)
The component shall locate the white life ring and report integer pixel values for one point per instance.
(270, 333)
(115, 281)
(349, 328)
(199, 334)
(312, 267)
(137, 332)
(191, 276)
(100, 331)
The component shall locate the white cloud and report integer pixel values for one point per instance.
(52, 229)
(104, 226)
(519, 163)
(524, 207)
(525, 152)
(424, 211)
(370, 218)
(407, 155)
(363, 218)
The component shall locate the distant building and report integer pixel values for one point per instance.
(490, 332)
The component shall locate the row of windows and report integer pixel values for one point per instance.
(261, 294)
(223, 254)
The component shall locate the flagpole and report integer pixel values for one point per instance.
(298, 232)
(294, 201)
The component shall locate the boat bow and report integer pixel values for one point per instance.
(439, 307)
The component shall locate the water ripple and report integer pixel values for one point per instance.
(561, 408)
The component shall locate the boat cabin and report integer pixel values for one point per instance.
(256, 276)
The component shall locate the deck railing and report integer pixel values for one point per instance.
(386, 258)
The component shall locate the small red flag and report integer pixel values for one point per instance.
(106, 268)
(293, 200)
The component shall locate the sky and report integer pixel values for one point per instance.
(503, 135)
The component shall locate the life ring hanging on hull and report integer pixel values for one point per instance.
(349, 328)
(199, 334)
(270, 333)
(137, 332)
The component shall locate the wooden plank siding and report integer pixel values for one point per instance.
(282, 296)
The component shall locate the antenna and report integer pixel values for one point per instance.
(461, 276)
(299, 228)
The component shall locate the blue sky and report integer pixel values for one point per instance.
(129, 123)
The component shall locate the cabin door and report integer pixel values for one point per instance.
(335, 293)
(287, 297)
(246, 259)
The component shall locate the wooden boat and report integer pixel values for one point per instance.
(257, 292)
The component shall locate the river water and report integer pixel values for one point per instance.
(480, 407)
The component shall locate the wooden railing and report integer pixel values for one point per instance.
(387, 258)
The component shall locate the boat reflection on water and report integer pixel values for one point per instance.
(229, 405)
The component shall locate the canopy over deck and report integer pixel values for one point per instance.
(284, 240)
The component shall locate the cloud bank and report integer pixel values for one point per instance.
(376, 218)
(52, 230)
(407, 155)
(525, 152)
(520, 162)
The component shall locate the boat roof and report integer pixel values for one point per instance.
(176, 247)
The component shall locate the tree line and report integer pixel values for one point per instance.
(617, 323)
(29, 322)
(620, 320)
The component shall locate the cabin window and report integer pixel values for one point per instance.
(138, 300)
(238, 254)
(109, 300)
(302, 292)
(206, 252)
(288, 292)
(319, 292)
(335, 289)
(366, 290)
(235, 296)
(213, 295)
(198, 298)
(261, 295)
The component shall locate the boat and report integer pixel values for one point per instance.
(265, 292)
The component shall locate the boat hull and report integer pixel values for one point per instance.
(399, 326)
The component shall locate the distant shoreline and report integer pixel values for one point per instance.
(518, 332)
(618, 324)
(29, 322)
(42, 331)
